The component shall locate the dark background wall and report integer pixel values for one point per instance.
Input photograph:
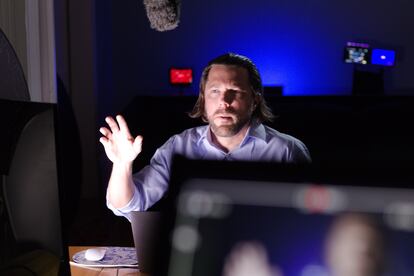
(296, 44)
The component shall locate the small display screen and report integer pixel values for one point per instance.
(181, 76)
(357, 54)
(383, 57)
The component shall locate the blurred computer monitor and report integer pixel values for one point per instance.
(232, 218)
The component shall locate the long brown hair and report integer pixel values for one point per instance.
(262, 112)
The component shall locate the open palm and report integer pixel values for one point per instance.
(120, 146)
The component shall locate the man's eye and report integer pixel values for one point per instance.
(237, 90)
(238, 93)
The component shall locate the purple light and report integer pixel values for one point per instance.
(357, 44)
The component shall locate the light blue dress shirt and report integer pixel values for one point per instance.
(261, 143)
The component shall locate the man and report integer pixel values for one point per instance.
(231, 102)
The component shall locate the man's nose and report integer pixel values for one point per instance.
(227, 97)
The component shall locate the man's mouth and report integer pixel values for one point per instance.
(224, 121)
(224, 117)
(224, 114)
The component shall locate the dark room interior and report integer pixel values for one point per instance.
(108, 61)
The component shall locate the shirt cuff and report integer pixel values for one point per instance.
(132, 205)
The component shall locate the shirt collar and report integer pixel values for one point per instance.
(205, 134)
(257, 130)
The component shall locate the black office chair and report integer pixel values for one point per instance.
(31, 195)
(40, 153)
(29, 206)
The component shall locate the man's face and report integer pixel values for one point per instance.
(229, 100)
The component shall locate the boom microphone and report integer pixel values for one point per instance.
(163, 14)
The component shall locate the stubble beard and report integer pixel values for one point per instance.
(228, 130)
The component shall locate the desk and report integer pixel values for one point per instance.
(94, 271)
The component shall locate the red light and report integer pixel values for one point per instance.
(181, 76)
(317, 199)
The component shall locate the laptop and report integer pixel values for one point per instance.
(244, 218)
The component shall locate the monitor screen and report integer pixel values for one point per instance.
(357, 54)
(383, 57)
(181, 76)
(292, 224)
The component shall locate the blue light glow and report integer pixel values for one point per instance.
(383, 57)
(295, 44)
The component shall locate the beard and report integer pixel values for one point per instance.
(233, 124)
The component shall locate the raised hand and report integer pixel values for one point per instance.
(120, 146)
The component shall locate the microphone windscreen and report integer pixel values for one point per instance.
(163, 14)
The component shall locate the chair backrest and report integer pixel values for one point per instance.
(31, 186)
(13, 85)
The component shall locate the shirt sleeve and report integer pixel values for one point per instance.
(125, 211)
(150, 183)
(299, 153)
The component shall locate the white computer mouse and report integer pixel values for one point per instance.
(95, 254)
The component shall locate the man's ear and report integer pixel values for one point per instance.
(256, 100)
(253, 106)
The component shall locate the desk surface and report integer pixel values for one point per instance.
(94, 271)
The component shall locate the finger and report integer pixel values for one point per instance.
(138, 143)
(106, 132)
(123, 126)
(112, 124)
(104, 141)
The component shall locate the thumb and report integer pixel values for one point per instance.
(137, 145)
